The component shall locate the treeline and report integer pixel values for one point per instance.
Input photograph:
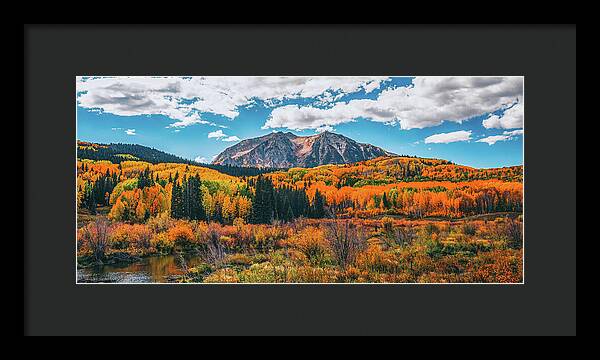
(117, 153)
(391, 170)
(188, 197)
(239, 170)
(140, 190)
(421, 199)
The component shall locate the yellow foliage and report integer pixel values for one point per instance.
(374, 259)
(311, 242)
(225, 275)
(161, 242)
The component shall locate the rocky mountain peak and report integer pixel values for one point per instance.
(285, 150)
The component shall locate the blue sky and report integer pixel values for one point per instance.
(474, 121)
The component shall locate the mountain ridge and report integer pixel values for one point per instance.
(286, 150)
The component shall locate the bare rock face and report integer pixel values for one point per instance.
(285, 150)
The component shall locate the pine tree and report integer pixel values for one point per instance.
(176, 202)
(384, 200)
(318, 206)
(185, 198)
(289, 214)
(145, 178)
(262, 206)
(196, 208)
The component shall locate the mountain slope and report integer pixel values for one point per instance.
(285, 150)
(117, 153)
(393, 170)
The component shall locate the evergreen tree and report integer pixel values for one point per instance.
(176, 202)
(186, 199)
(289, 212)
(196, 208)
(384, 200)
(318, 206)
(145, 178)
(262, 206)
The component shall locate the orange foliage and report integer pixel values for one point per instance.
(135, 236)
(427, 198)
(414, 187)
(181, 233)
(388, 170)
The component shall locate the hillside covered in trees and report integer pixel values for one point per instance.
(409, 186)
(116, 153)
(390, 219)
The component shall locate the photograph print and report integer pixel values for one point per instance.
(299, 179)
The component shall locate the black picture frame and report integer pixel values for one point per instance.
(55, 305)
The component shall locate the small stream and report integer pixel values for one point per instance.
(153, 269)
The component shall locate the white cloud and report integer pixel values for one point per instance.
(200, 159)
(191, 120)
(491, 140)
(511, 118)
(506, 135)
(372, 85)
(116, 128)
(184, 99)
(130, 132)
(445, 138)
(324, 128)
(514, 132)
(219, 134)
(216, 134)
(427, 102)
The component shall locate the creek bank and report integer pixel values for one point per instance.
(86, 261)
(124, 257)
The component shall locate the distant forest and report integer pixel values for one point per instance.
(117, 153)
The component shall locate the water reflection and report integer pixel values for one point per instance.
(154, 269)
